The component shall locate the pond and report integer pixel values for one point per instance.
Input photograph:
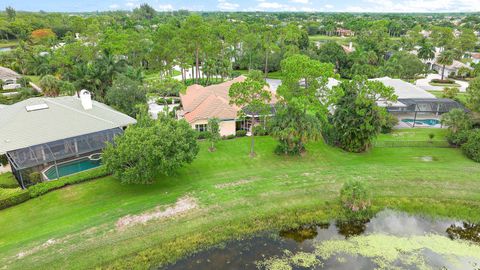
(390, 240)
(5, 49)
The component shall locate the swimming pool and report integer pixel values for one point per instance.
(423, 122)
(71, 167)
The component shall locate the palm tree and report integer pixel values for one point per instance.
(426, 51)
(50, 86)
(445, 58)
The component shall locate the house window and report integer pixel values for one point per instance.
(201, 127)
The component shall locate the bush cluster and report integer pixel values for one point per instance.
(241, 133)
(471, 147)
(10, 197)
(444, 81)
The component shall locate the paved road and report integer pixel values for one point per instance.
(424, 83)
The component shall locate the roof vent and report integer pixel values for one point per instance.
(36, 107)
(86, 99)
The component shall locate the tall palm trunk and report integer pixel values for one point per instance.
(266, 63)
(443, 71)
(197, 65)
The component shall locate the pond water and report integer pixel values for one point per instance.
(390, 240)
(6, 49)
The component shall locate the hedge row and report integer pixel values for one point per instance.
(44, 187)
(11, 197)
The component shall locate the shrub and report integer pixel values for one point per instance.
(202, 135)
(472, 147)
(444, 81)
(3, 160)
(228, 137)
(241, 133)
(390, 122)
(12, 196)
(35, 177)
(431, 136)
(458, 138)
(355, 197)
(24, 81)
(44, 187)
(450, 92)
(260, 131)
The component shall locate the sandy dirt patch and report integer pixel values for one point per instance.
(183, 205)
(233, 184)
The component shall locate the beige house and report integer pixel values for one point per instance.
(201, 103)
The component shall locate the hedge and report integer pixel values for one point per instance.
(12, 196)
(44, 187)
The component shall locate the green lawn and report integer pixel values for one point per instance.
(75, 227)
(414, 134)
(7, 180)
(34, 78)
(461, 97)
(8, 43)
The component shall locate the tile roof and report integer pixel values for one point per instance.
(208, 102)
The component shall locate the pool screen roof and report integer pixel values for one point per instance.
(62, 149)
(54, 119)
(438, 105)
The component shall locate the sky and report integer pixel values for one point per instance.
(250, 5)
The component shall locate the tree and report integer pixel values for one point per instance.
(472, 147)
(125, 94)
(457, 120)
(426, 51)
(450, 92)
(253, 97)
(467, 40)
(442, 37)
(357, 118)
(50, 86)
(293, 129)
(42, 35)
(11, 13)
(331, 52)
(403, 65)
(213, 127)
(473, 95)
(444, 59)
(354, 196)
(145, 11)
(304, 85)
(150, 149)
(166, 88)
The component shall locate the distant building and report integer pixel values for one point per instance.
(348, 48)
(475, 58)
(450, 69)
(344, 32)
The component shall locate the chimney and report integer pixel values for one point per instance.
(86, 99)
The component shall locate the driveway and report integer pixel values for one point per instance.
(424, 83)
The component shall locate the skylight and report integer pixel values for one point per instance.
(36, 107)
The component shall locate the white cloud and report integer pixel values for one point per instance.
(328, 6)
(165, 7)
(300, 1)
(416, 6)
(224, 5)
(114, 6)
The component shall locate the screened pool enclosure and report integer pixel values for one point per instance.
(54, 159)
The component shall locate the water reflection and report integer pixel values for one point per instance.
(396, 227)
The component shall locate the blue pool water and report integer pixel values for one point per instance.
(71, 167)
(428, 122)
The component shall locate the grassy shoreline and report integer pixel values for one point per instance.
(79, 221)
